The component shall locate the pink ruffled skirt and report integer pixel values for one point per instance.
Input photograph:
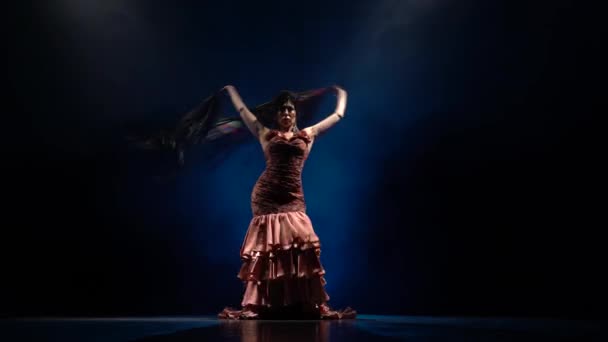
(281, 261)
(282, 270)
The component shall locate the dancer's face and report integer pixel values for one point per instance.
(286, 115)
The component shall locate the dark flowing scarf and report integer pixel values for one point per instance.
(216, 126)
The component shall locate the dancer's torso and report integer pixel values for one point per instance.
(279, 187)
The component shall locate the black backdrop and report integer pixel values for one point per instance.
(485, 206)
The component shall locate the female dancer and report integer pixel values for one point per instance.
(281, 267)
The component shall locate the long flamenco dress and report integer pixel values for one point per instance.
(281, 253)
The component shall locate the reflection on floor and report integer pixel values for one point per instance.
(364, 328)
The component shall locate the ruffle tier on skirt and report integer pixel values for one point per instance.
(281, 261)
(282, 271)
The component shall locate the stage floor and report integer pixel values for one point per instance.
(364, 328)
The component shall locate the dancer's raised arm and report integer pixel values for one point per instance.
(334, 117)
(250, 120)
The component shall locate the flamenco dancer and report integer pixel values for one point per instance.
(281, 268)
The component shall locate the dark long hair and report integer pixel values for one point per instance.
(216, 124)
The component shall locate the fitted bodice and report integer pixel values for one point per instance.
(279, 187)
(286, 156)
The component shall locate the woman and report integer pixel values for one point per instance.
(281, 267)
